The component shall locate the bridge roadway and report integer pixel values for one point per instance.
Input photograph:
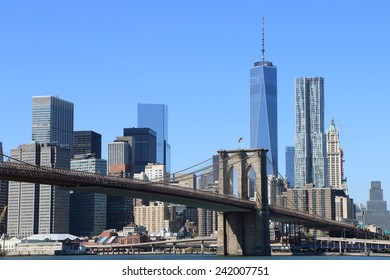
(89, 182)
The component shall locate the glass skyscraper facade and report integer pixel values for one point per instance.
(87, 142)
(310, 140)
(52, 121)
(155, 116)
(144, 147)
(290, 158)
(264, 112)
(88, 211)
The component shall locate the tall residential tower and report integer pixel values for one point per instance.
(263, 110)
(310, 140)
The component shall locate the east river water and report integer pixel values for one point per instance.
(194, 267)
(195, 257)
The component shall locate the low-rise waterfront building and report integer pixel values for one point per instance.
(44, 244)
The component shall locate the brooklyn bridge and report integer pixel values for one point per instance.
(243, 223)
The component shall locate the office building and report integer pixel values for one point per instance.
(88, 211)
(335, 158)
(276, 188)
(3, 197)
(297, 199)
(155, 217)
(360, 210)
(87, 142)
(155, 116)
(263, 110)
(310, 141)
(290, 159)
(344, 208)
(208, 219)
(119, 208)
(155, 172)
(144, 147)
(52, 121)
(321, 202)
(35, 208)
(119, 159)
(377, 213)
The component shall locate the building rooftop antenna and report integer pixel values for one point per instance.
(262, 39)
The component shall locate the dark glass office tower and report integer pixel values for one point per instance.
(144, 147)
(88, 211)
(87, 143)
(264, 111)
(155, 116)
(290, 158)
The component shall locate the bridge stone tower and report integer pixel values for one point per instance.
(244, 233)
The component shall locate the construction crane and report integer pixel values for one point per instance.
(3, 213)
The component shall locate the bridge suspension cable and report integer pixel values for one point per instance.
(315, 214)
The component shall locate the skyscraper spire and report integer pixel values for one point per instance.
(262, 40)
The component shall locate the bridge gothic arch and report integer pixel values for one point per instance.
(244, 233)
(243, 161)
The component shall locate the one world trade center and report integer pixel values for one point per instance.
(263, 110)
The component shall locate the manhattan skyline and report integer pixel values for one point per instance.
(195, 57)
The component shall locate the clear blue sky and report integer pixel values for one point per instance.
(195, 56)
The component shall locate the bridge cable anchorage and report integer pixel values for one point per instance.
(300, 198)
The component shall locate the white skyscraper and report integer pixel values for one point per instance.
(37, 208)
(310, 140)
(52, 121)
